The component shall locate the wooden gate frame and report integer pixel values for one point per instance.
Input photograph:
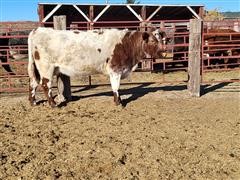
(194, 54)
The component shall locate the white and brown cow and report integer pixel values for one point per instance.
(73, 53)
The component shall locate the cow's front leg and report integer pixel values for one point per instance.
(115, 83)
(47, 88)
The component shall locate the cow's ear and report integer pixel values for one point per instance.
(163, 34)
(145, 36)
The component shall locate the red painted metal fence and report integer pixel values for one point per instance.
(13, 55)
(221, 48)
(219, 54)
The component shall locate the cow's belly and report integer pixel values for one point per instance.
(82, 69)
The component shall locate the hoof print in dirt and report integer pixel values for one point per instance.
(122, 160)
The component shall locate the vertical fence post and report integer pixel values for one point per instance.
(194, 55)
(59, 22)
(91, 16)
(63, 81)
(142, 24)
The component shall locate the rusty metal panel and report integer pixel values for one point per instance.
(223, 54)
(221, 48)
(13, 71)
(13, 55)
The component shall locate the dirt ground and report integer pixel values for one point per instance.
(160, 133)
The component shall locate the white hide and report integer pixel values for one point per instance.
(74, 54)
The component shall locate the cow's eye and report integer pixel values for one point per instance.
(152, 41)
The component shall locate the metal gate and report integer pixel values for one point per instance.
(13, 56)
(13, 49)
(221, 50)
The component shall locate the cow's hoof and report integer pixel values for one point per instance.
(33, 103)
(53, 105)
(60, 99)
(117, 103)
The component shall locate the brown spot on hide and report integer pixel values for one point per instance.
(107, 60)
(44, 83)
(128, 53)
(99, 32)
(36, 55)
(46, 89)
(132, 49)
(76, 32)
(145, 36)
(99, 50)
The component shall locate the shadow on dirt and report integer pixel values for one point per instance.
(220, 87)
(143, 89)
(135, 92)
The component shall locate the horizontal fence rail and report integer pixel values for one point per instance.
(220, 50)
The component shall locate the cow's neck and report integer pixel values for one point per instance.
(134, 44)
(128, 53)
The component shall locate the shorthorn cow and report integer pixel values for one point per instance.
(73, 53)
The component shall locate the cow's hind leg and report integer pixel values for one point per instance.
(34, 79)
(115, 83)
(47, 88)
(33, 84)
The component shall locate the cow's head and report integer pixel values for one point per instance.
(152, 47)
(162, 38)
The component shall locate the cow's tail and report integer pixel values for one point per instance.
(32, 69)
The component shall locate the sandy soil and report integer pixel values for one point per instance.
(161, 133)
